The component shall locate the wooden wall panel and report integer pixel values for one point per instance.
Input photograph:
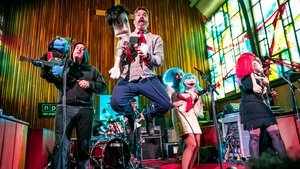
(289, 131)
(30, 25)
(13, 134)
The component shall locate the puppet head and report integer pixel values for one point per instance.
(172, 77)
(59, 44)
(57, 49)
(117, 17)
(188, 81)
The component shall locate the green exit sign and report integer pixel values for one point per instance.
(47, 110)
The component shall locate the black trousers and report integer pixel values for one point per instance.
(80, 118)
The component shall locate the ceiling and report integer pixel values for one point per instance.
(206, 7)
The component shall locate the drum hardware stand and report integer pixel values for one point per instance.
(138, 162)
(48, 165)
(97, 163)
(233, 148)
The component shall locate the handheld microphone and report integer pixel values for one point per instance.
(134, 40)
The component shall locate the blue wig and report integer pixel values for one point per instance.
(183, 87)
(169, 77)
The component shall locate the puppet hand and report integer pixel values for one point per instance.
(57, 70)
(114, 73)
(38, 64)
(144, 48)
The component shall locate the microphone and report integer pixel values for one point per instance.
(134, 40)
(71, 40)
(201, 73)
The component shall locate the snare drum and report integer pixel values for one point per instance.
(113, 153)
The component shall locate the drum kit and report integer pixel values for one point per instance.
(109, 148)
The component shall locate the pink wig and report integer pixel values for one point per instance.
(244, 65)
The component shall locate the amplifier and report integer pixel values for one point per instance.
(172, 136)
(151, 147)
(157, 131)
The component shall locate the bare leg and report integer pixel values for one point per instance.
(190, 143)
(195, 151)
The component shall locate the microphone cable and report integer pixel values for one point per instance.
(175, 109)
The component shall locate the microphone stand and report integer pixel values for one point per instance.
(293, 88)
(212, 89)
(64, 101)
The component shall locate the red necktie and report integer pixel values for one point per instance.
(129, 55)
(142, 37)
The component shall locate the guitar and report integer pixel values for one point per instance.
(137, 122)
(139, 118)
(52, 62)
(73, 75)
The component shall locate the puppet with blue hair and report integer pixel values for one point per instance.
(188, 107)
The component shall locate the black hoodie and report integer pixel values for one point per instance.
(75, 95)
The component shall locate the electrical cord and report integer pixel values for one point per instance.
(175, 108)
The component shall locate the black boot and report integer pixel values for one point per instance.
(149, 124)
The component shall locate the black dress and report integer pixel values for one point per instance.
(254, 112)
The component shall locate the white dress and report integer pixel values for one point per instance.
(187, 113)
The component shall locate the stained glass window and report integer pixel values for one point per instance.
(276, 26)
(226, 39)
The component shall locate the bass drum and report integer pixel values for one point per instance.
(110, 154)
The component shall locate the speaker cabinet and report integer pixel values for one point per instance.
(152, 147)
(208, 154)
(170, 149)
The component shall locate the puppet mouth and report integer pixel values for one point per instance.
(191, 84)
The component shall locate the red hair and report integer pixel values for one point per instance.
(244, 65)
